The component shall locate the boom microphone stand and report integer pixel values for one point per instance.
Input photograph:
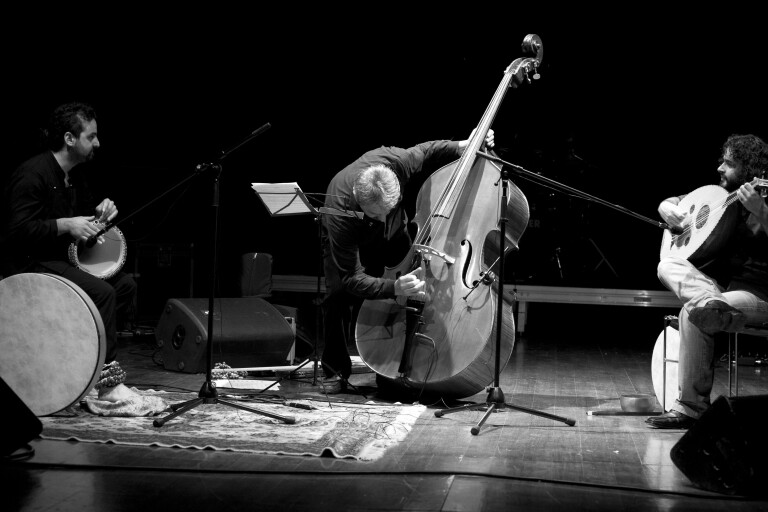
(495, 400)
(550, 183)
(495, 394)
(208, 393)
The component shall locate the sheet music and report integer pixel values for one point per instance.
(283, 198)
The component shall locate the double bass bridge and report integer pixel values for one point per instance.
(427, 251)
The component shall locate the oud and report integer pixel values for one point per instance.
(712, 216)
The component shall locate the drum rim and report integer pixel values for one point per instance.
(100, 332)
(657, 364)
(75, 260)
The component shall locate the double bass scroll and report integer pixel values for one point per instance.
(446, 344)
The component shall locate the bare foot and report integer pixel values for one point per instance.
(116, 393)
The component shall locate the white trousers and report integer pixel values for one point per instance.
(696, 365)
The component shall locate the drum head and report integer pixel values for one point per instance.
(52, 341)
(102, 260)
(657, 368)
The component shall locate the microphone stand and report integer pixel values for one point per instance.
(532, 176)
(91, 241)
(495, 398)
(208, 393)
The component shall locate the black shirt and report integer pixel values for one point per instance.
(36, 195)
(351, 242)
(747, 259)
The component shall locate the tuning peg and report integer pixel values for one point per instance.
(536, 75)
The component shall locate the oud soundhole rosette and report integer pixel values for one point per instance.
(702, 216)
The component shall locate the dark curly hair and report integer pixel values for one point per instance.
(750, 152)
(69, 117)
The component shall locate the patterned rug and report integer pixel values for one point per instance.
(343, 430)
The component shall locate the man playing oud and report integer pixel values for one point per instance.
(733, 292)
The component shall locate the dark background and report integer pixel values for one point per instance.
(645, 101)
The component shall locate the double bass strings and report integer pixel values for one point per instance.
(465, 162)
(451, 192)
(447, 193)
(450, 195)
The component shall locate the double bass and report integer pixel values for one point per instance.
(443, 342)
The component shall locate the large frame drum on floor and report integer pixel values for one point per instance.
(664, 363)
(52, 341)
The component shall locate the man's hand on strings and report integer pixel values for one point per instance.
(676, 217)
(410, 284)
(490, 141)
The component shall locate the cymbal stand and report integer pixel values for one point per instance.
(495, 400)
(208, 394)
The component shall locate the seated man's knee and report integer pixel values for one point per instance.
(666, 265)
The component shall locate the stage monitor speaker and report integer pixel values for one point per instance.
(725, 450)
(247, 332)
(20, 426)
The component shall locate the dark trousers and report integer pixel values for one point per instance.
(112, 297)
(339, 317)
(340, 308)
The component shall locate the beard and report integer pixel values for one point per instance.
(731, 183)
(79, 155)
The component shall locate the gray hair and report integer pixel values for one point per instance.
(377, 184)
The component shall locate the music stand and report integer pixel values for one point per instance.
(282, 199)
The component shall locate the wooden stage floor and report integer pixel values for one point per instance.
(571, 359)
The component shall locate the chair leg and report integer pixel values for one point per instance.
(664, 369)
(667, 321)
(733, 364)
(736, 364)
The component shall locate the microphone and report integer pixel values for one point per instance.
(260, 130)
(91, 240)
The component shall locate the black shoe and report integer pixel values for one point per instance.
(671, 419)
(333, 385)
(716, 316)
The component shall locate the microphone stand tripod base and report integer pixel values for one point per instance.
(495, 398)
(210, 395)
(495, 402)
